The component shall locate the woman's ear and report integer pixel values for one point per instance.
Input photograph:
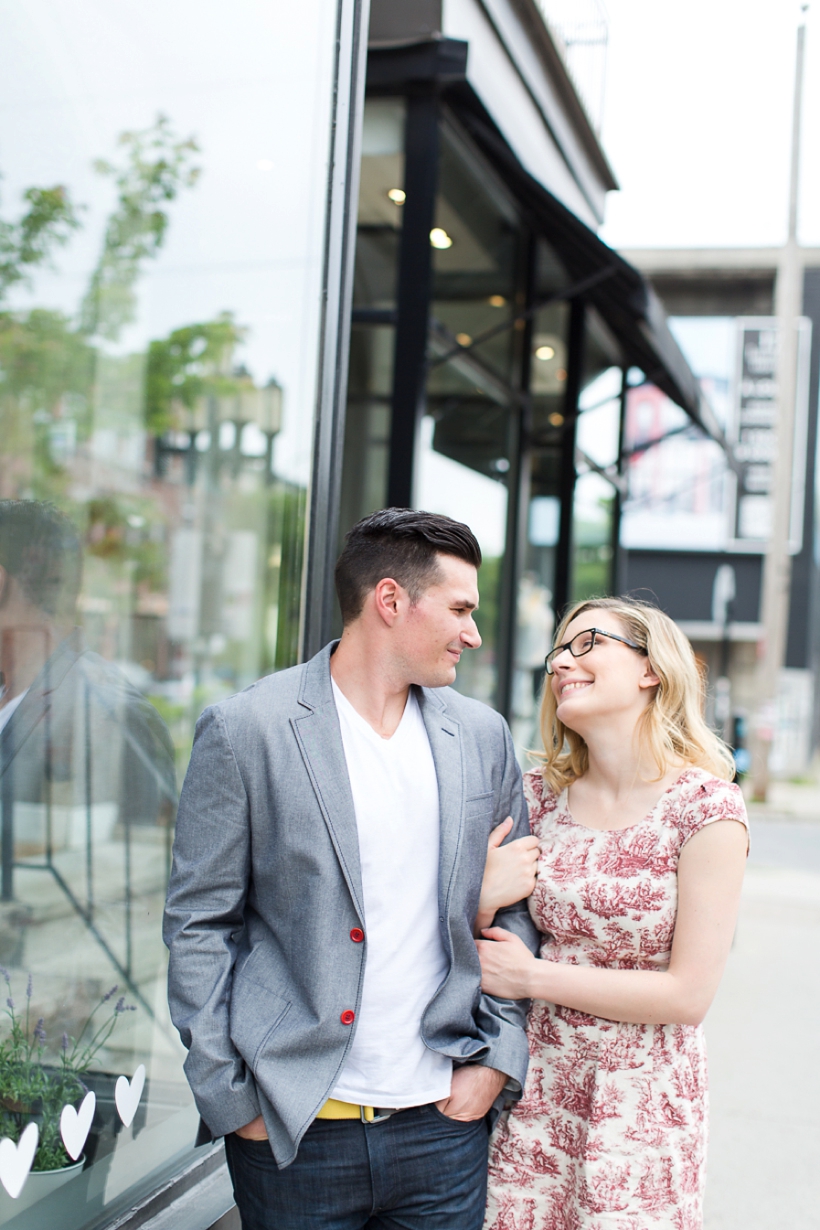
(648, 679)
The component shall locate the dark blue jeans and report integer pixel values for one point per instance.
(418, 1170)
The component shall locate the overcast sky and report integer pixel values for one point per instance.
(697, 121)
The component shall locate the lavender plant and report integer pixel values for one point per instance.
(35, 1088)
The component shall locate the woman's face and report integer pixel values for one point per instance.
(611, 681)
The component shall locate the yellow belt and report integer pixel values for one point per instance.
(334, 1109)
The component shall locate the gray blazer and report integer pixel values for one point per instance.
(266, 888)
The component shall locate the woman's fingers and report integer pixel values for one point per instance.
(499, 934)
(499, 833)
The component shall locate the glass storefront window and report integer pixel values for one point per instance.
(472, 386)
(535, 616)
(370, 379)
(597, 444)
(160, 289)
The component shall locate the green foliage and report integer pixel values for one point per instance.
(42, 358)
(187, 364)
(156, 166)
(48, 222)
(32, 1090)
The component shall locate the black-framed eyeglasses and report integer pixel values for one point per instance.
(583, 643)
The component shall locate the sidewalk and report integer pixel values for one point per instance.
(763, 1031)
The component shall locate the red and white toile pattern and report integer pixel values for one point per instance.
(611, 1131)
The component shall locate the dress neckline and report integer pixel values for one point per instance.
(563, 803)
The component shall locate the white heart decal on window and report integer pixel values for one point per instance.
(127, 1094)
(76, 1124)
(16, 1160)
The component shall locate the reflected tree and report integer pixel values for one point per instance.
(155, 167)
(48, 222)
(188, 364)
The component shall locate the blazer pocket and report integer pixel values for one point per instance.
(479, 805)
(256, 1012)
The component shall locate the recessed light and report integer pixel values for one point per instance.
(545, 352)
(496, 301)
(397, 195)
(440, 239)
(556, 420)
(463, 339)
(264, 164)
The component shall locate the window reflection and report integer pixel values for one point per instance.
(159, 317)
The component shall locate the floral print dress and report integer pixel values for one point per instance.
(610, 1133)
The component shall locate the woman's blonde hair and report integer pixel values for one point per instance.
(672, 727)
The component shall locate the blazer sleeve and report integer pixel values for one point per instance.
(501, 1022)
(204, 914)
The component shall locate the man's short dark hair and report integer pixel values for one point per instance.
(399, 543)
(40, 548)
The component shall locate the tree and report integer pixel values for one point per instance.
(187, 364)
(47, 223)
(156, 166)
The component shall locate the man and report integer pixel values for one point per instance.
(74, 733)
(330, 848)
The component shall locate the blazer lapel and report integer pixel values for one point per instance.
(38, 699)
(319, 737)
(444, 734)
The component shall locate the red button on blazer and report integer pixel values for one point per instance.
(348, 1017)
(357, 935)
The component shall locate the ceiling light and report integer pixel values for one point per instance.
(440, 239)
(556, 420)
(545, 352)
(264, 164)
(463, 339)
(397, 195)
(496, 301)
(560, 374)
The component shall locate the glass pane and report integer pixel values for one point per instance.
(162, 237)
(370, 383)
(476, 256)
(535, 622)
(592, 537)
(472, 393)
(367, 425)
(381, 197)
(444, 485)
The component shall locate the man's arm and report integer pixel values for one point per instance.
(204, 912)
(501, 1022)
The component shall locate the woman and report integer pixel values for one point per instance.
(642, 849)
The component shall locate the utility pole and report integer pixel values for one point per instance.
(777, 565)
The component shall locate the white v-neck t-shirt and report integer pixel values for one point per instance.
(395, 797)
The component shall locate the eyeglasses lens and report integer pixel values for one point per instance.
(578, 646)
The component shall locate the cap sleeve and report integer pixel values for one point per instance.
(541, 800)
(706, 800)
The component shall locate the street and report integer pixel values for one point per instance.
(762, 1032)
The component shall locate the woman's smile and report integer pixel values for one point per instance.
(572, 684)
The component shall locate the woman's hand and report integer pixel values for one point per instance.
(509, 874)
(507, 964)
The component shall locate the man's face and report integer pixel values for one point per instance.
(435, 632)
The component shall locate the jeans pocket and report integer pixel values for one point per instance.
(457, 1124)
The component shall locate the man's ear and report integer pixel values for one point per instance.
(388, 598)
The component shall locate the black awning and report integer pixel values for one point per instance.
(619, 292)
